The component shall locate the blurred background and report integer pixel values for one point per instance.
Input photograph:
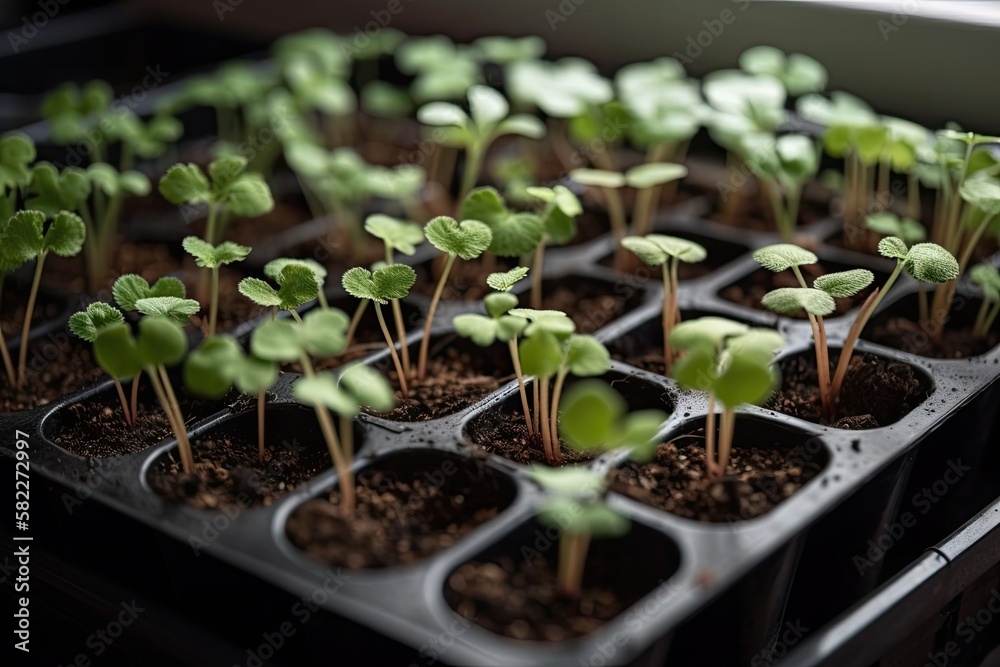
(928, 60)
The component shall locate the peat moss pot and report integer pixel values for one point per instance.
(410, 506)
(510, 588)
(502, 430)
(770, 462)
(877, 390)
(227, 469)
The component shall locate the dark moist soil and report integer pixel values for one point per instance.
(228, 472)
(591, 304)
(749, 291)
(455, 380)
(402, 516)
(518, 598)
(759, 478)
(58, 364)
(876, 392)
(95, 430)
(506, 434)
(15, 304)
(956, 343)
(466, 281)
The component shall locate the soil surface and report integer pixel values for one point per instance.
(956, 343)
(758, 478)
(15, 304)
(518, 598)
(876, 391)
(751, 289)
(590, 303)
(404, 514)
(506, 434)
(58, 364)
(228, 472)
(96, 430)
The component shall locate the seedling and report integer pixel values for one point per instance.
(12, 256)
(320, 334)
(733, 363)
(559, 224)
(515, 233)
(468, 240)
(797, 72)
(666, 252)
(161, 343)
(297, 281)
(550, 350)
(484, 330)
(26, 238)
(988, 279)
(231, 191)
(488, 118)
(109, 188)
(87, 325)
(218, 365)
(443, 70)
(385, 284)
(782, 165)
(890, 224)
(927, 262)
(212, 257)
(17, 152)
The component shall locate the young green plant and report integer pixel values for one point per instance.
(17, 152)
(988, 279)
(559, 224)
(467, 240)
(213, 257)
(666, 252)
(782, 166)
(734, 364)
(87, 325)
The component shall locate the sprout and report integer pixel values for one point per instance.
(161, 343)
(817, 302)
(388, 283)
(109, 188)
(87, 325)
(17, 152)
(443, 70)
(25, 238)
(232, 191)
(212, 257)
(322, 333)
(890, 224)
(782, 165)
(514, 233)
(798, 73)
(499, 325)
(559, 225)
(988, 279)
(488, 118)
(647, 179)
(733, 363)
(666, 252)
(551, 349)
(468, 240)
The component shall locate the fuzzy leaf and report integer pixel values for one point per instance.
(783, 256)
(297, 286)
(249, 196)
(499, 303)
(892, 247)
(178, 310)
(116, 351)
(322, 389)
(514, 233)
(130, 288)
(468, 239)
(88, 323)
(844, 284)
(185, 184)
(226, 169)
(277, 341)
(656, 249)
(275, 267)
(208, 256)
(790, 300)
(589, 415)
(654, 173)
(982, 192)
(504, 282)
(16, 153)
(598, 178)
(540, 354)
(553, 321)
(480, 329)
(397, 234)
(586, 356)
(66, 234)
(161, 341)
(54, 191)
(931, 263)
(23, 238)
(368, 387)
(388, 282)
(323, 332)
(988, 279)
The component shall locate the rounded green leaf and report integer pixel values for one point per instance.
(586, 356)
(178, 310)
(931, 263)
(892, 247)
(249, 196)
(598, 178)
(890, 224)
(983, 192)
(988, 279)
(710, 330)
(468, 239)
(116, 351)
(208, 370)
(480, 329)
(589, 415)
(487, 106)
(323, 332)
(499, 303)
(790, 300)
(572, 481)
(504, 282)
(97, 316)
(276, 341)
(322, 390)
(844, 284)
(252, 375)
(654, 173)
(783, 256)
(745, 379)
(649, 252)
(161, 341)
(368, 387)
(185, 184)
(397, 234)
(682, 249)
(541, 354)
(441, 113)
(386, 282)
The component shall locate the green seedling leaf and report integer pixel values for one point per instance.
(586, 356)
(571, 480)
(185, 184)
(504, 282)
(275, 267)
(988, 279)
(590, 414)
(790, 300)
(554, 322)
(161, 341)
(54, 191)
(368, 387)
(297, 286)
(16, 153)
(655, 173)
(208, 256)
(209, 369)
(130, 288)
(87, 324)
(892, 247)
(931, 263)
(468, 239)
(252, 375)
(514, 233)
(798, 72)
(656, 249)
(23, 236)
(385, 283)
(397, 234)
(541, 354)
(66, 234)
(322, 389)
(843, 284)
(243, 193)
(890, 224)
(276, 341)
(757, 342)
(506, 50)
(983, 192)
(598, 178)
(639, 432)
(178, 310)
(705, 331)
(745, 379)
(323, 332)
(783, 256)
(384, 100)
(480, 329)
(499, 303)
(116, 351)
(110, 181)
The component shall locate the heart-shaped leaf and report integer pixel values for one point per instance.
(468, 239)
